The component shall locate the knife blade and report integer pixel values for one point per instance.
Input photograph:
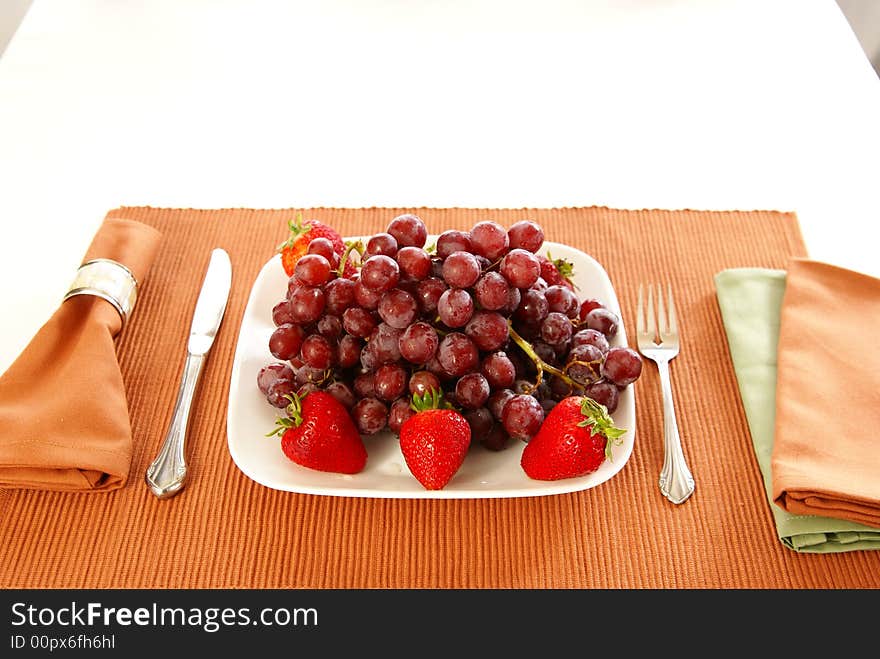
(166, 475)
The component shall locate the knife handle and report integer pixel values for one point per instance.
(167, 474)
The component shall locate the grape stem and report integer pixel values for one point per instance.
(539, 363)
(355, 245)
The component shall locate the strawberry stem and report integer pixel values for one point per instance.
(296, 228)
(293, 418)
(600, 422)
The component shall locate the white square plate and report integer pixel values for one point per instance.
(484, 474)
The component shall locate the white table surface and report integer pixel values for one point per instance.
(724, 104)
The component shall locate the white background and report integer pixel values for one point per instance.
(724, 104)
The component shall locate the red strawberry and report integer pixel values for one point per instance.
(434, 441)
(556, 271)
(301, 234)
(318, 433)
(574, 440)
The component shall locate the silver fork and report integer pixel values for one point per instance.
(658, 341)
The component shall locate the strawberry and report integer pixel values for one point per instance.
(556, 271)
(574, 440)
(318, 433)
(434, 440)
(301, 234)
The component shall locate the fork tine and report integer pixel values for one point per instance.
(673, 323)
(662, 325)
(640, 312)
(652, 326)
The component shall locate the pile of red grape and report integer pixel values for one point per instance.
(480, 314)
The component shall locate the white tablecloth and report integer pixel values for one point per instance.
(720, 104)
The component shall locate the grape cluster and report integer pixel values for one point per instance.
(480, 315)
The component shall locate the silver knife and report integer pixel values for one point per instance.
(167, 474)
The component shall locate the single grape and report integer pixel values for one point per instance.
(488, 330)
(457, 354)
(399, 413)
(380, 272)
(545, 351)
(520, 268)
(398, 308)
(496, 439)
(342, 392)
(498, 369)
(381, 243)
(452, 241)
(408, 230)
(364, 385)
(497, 400)
(481, 422)
(587, 306)
(461, 270)
(390, 382)
(421, 382)
(591, 337)
(329, 326)
(455, 307)
(603, 321)
(358, 322)
(418, 343)
(312, 270)
(278, 391)
(559, 388)
(526, 235)
(348, 352)
(285, 341)
(489, 239)
(428, 294)
(317, 351)
(338, 294)
(472, 390)
(562, 299)
(514, 297)
(622, 366)
(533, 307)
(556, 329)
(271, 372)
(385, 341)
(324, 247)
(604, 393)
(369, 361)
(522, 416)
(307, 304)
(370, 415)
(491, 291)
(366, 297)
(281, 313)
(414, 262)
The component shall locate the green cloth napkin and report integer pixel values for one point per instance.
(750, 300)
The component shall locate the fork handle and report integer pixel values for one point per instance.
(676, 482)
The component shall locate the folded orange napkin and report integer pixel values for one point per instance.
(826, 454)
(64, 421)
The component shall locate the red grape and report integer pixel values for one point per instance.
(526, 235)
(489, 239)
(622, 366)
(408, 230)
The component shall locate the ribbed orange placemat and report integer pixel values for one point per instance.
(226, 531)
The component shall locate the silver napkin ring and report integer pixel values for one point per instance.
(108, 280)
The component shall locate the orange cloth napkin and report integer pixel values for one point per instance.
(64, 421)
(826, 455)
